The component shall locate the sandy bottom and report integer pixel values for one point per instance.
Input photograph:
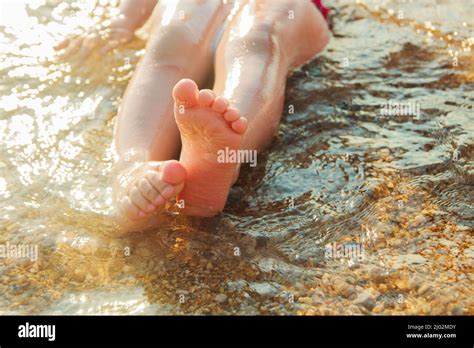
(363, 204)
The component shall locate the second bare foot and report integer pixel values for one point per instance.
(207, 125)
(145, 187)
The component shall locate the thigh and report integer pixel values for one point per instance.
(182, 31)
(295, 30)
(197, 16)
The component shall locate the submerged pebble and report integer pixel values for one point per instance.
(365, 299)
(221, 298)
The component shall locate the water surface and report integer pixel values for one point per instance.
(395, 185)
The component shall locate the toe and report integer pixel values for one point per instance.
(173, 172)
(147, 190)
(220, 105)
(155, 166)
(167, 191)
(130, 210)
(141, 202)
(206, 97)
(179, 188)
(155, 179)
(232, 114)
(185, 93)
(159, 201)
(240, 125)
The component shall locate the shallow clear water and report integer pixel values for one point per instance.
(396, 185)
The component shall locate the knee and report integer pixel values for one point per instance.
(260, 38)
(173, 44)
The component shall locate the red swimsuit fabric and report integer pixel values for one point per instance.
(320, 6)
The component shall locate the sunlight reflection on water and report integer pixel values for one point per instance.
(338, 172)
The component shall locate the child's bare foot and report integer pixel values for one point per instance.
(117, 34)
(145, 187)
(207, 125)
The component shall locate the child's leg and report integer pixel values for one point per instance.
(284, 34)
(146, 131)
(264, 41)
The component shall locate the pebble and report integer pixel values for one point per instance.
(343, 288)
(376, 274)
(364, 299)
(79, 276)
(221, 298)
(419, 220)
(11, 227)
(396, 242)
(353, 309)
(457, 310)
(384, 153)
(306, 300)
(424, 288)
(413, 283)
(354, 265)
(246, 295)
(409, 259)
(299, 286)
(264, 289)
(237, 285)
(326, 279)
(317, 295)
(378, 308)
(442, 261)
(469, 252)
(447, 243)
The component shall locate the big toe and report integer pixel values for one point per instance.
(173, 172)
(185, 92)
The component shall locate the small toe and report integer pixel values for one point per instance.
(232, 114)
(147, 190)
(185, 93)
(206, 97)
(159, 201)
(155, 179)
(130, 210)
(141, 202)
(168, 192)
(155, 165)
(240, 125)
(220, 105)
